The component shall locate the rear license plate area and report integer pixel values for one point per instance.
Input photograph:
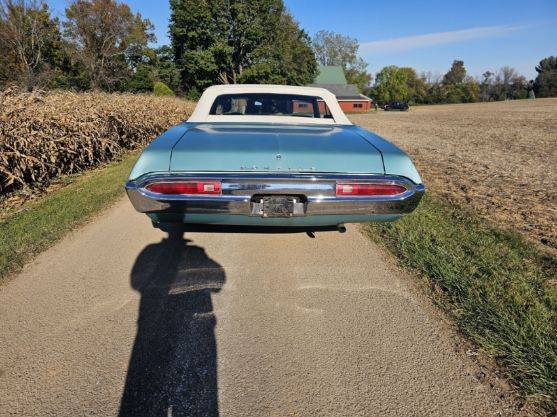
(277, 206)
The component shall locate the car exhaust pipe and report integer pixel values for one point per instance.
(341, 228)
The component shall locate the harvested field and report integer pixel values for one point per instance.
(500, 159)
(45, 135)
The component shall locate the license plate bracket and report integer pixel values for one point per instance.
(277, 206)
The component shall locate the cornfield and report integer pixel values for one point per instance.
(45, 135)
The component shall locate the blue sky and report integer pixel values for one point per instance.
(426, 35)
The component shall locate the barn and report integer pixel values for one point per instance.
(333, 79)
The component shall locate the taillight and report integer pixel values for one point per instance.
(362, 189)
(186, 187)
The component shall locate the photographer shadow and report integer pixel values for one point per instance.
(173, 365)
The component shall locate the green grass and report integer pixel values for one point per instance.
(501, 289)
(39, 224)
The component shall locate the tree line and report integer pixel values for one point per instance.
(404, 84)
(104, 45)
(394, 83)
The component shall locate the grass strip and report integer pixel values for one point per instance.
(41, 223)
(501, 289)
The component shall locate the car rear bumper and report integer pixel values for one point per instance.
(240, 193)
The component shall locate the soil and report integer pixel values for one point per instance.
(499, 159)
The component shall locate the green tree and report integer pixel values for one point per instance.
(160, 89)
(394, 83)
(456, 75)
(236, 41)
(108, 40)
(416, 85)
(142, 79)
(390, 84)
(357, 74)
(31, 44)
(199, 41)
(335, 49)
(166, 69)
(545, 84)
(288, 60)
(470, 90)
(465, 92)
(519, 88)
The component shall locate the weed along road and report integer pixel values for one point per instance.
(121, 319)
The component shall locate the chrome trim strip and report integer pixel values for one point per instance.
(318, 191)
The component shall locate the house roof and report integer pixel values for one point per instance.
(343, 92)
(330, 74)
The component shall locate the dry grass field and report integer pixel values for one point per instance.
(500, 159)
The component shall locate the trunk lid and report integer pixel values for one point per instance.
(264, 147)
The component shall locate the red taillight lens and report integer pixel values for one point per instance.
(186, 187)
(351, 188)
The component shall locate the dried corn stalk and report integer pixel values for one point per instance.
(44, 135)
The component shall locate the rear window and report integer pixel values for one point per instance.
(255, 104)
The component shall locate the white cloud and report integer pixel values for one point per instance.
(431, 39)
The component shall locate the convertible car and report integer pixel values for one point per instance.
(271, 158)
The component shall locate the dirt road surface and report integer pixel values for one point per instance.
(120, 319)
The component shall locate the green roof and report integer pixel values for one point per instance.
(330, 75)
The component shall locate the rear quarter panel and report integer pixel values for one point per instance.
(156, 156)
(395, 160)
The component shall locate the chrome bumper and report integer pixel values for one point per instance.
(240, 192)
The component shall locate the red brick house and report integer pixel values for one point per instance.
(351, 101)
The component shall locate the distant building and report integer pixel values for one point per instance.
(333, 79)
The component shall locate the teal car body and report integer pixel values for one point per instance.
(272, 174)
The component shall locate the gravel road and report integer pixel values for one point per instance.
(121, 319)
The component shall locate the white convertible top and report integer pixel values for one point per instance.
(203, 108)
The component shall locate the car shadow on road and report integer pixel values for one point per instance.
(173, 365)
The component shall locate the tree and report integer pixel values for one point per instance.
(508, 75)
(456, 74)
(518, 89)
(390, 84)
(467, 91)
(232, 41)
(509, 84)
(107, 39)
(157, 66)
(416, 85)
(394, 83)
(142, 79)
(289, 60)
(166, 70)
(503, 85)
(357, 74)
(486, 86)
(545, 84)
(335, 49)
(160, 89)
(199, 41)
(31, 43)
